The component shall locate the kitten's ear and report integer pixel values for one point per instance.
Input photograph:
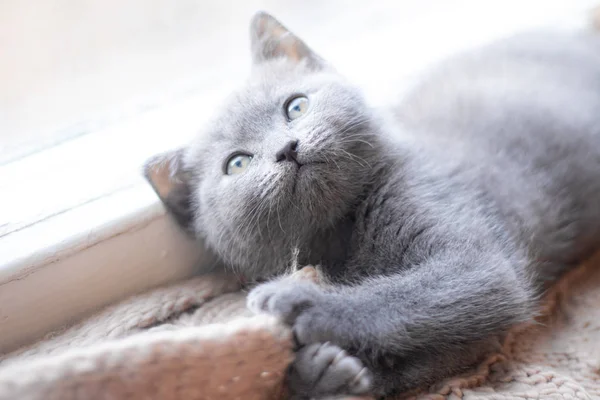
(269, 39)
(171, 182)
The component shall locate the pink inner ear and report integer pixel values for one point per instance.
(264, 24)
(161, 172)
(169, 179)
(277, 37)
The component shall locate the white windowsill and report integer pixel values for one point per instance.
(102, 234)
(60, 269)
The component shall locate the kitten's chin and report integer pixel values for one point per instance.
(314, 196)
(302, 177)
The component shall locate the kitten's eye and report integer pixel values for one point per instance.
(296, 107)
(237, 164)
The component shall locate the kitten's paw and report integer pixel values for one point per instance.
(286, 298)
(313, 314)
(323, 369)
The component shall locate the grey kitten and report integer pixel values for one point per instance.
(438, 222)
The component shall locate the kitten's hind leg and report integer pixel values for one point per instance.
(324, 369)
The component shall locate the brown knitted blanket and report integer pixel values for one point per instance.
(196, 340)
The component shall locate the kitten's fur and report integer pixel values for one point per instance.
(438, 222)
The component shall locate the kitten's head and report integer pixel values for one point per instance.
(287, 157)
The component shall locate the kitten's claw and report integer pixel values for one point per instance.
(324, 369)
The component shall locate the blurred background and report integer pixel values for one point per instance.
(70, 67)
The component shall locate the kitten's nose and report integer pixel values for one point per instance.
(288, 152)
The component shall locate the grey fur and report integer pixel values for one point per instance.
(438, 222)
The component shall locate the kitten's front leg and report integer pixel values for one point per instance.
(412, 328)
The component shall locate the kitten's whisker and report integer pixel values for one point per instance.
(269, 218)
(332, 160)
(264, 204)
(359, 141)
(279, 216)
(247, 221)
(253, 215)
(356, 159)
(351, 125)
(353, 136)
(318, 137)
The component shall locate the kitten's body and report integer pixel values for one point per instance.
(518, 123)
(438, 229)
(508, 138)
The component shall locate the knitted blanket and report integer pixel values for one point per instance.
(196, 340)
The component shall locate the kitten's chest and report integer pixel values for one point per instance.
(372, 241)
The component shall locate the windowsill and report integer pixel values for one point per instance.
(60, 269)
(79, 228)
